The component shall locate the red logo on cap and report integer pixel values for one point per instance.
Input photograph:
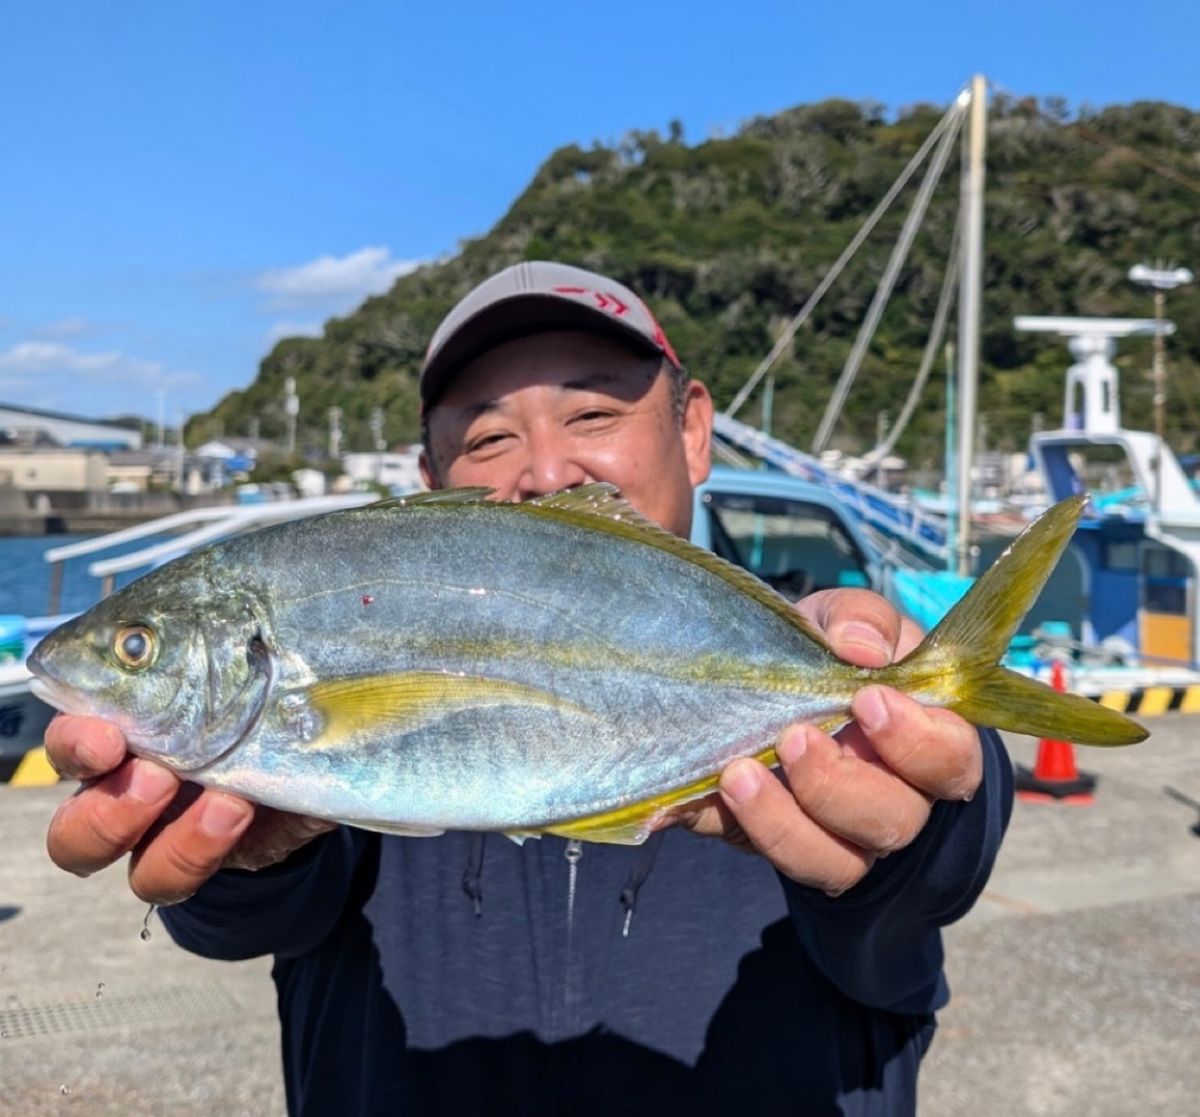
(608, 302)
(604, 301)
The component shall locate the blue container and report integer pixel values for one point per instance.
(12, 637)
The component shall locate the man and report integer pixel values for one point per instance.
(468, 975)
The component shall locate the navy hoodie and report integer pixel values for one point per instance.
(466, 975)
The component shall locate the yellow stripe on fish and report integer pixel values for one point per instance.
(402, 703)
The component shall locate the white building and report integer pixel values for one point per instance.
(395, 469)
(27, 425)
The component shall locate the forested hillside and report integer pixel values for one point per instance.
(726, 238)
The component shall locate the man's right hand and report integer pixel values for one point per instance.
(177, 833)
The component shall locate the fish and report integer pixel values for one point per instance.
(562, 665)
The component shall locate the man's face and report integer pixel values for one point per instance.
(555, 410)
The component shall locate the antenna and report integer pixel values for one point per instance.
(1092, 342)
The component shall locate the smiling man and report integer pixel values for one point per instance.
(465, 974)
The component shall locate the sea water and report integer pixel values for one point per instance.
(25, 575)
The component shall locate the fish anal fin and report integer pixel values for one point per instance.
(634, 823)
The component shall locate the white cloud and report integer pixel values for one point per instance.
(334, 283)
(112, 367)
(35, 372)
(280, 330)
(65, 327)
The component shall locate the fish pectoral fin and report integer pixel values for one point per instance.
(408, 700)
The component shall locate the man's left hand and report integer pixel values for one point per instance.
(842, 803)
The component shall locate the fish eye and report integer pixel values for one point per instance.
(134, 646)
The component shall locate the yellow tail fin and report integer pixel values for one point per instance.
(960, 657)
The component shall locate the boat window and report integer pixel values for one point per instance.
(1163, 562)
(1166, 576)
(793, 545)
(1121, 554)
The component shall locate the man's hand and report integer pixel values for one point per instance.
(178, 834)
(844, 803)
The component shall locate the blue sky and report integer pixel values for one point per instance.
(182, 183)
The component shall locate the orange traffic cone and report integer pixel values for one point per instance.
(1054, 778)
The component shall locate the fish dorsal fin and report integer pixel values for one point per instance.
(600, 507)
(474, 495)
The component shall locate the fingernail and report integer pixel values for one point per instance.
(223, 817)
(864, 635)
(740, 781)
(148, 782)
(870, 709)
(792, 745)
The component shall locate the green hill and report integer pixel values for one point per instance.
(727, 238)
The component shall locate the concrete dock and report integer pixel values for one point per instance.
(1076, 978)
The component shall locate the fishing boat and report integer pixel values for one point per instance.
(1138, 546)
(1127, 619)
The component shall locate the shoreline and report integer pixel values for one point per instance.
(86, 521)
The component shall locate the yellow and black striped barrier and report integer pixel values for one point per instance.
(1151, 701)
(33, 770)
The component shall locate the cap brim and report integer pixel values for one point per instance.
(520, 316)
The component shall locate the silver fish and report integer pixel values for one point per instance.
(558, 666)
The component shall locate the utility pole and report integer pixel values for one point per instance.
(161, 393)
(291, 407)
(335, 432)
(1160, 281)
(881, 430)
(179, 452)
(376, 426)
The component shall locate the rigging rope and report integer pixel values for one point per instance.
(936, 332)
(953, 114)
(883, 292)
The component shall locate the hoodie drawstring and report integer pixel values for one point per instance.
(472, 878)
(640, 870)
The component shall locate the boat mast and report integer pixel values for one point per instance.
(969, 311)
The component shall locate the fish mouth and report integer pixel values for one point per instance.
(56, 694)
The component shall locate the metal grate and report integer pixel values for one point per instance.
(140, 1010)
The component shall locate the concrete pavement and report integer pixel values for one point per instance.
(1076, 978)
